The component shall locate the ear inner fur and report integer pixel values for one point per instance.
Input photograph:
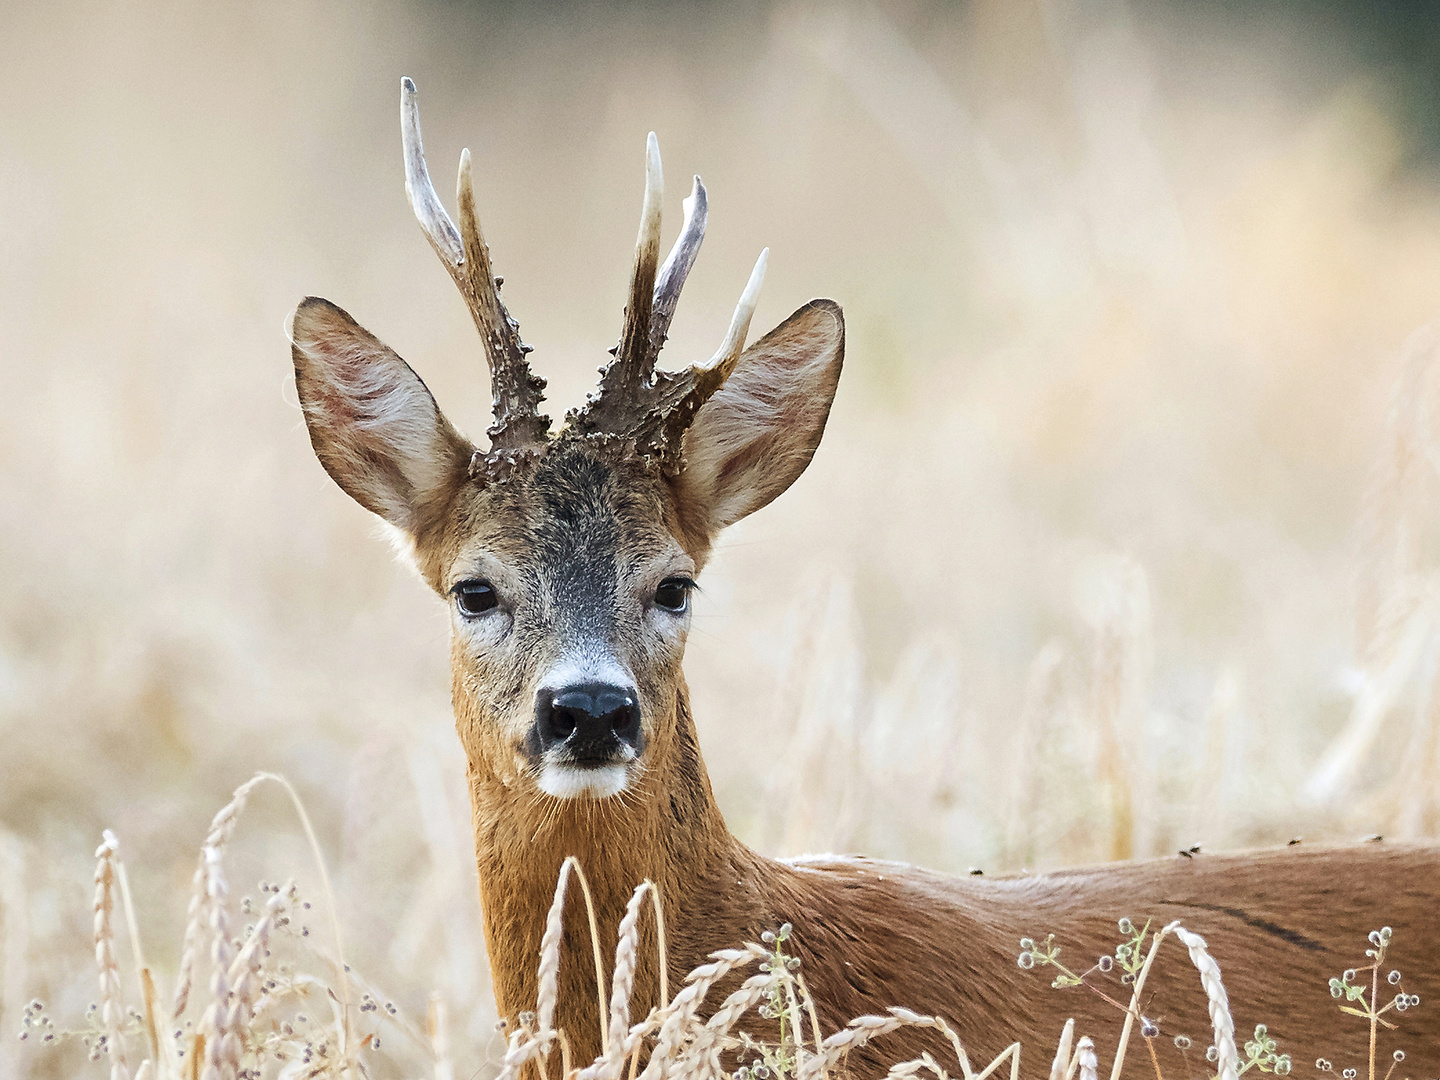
(755, 437)
(372, 422)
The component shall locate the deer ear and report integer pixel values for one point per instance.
(374, 425)
(755, 436)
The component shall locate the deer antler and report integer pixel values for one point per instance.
(635, 402)
(519, 424)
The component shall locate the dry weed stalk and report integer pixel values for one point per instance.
(1119, 612)
(440, 1038)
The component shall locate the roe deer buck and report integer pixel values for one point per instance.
(567, 561)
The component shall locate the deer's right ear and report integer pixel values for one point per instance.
(754, 438)
(374, 425)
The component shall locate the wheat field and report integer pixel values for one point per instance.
(1121, 538)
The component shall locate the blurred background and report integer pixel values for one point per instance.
(1122, 537)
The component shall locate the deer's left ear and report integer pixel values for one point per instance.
(758, 432)
(374, 425)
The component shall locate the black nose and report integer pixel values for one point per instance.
(590, 720)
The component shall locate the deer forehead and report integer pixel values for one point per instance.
(576, 532)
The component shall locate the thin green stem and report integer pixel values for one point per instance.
(1374, 1016)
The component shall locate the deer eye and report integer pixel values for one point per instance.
(674, 593)
(475, 597)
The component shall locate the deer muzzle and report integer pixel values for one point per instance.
(584, 737)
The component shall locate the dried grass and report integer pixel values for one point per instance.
(258, 1015)
(259, 1022)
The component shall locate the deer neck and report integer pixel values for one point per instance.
(667, 829)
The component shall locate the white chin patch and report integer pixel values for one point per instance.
(572, 782)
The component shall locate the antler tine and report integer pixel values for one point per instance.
(723, 362)
(685, 393)
(677, 266)
(650, 408)
(517, 393)
(633, 353)
(439, 229)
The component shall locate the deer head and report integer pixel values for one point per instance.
(568, 558)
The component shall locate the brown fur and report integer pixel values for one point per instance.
(873, 934)
(575, 543)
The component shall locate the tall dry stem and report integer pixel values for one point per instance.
(1116, 602)
(15, 942)
(440, 1038)
(550, 941)
(1134, 1010)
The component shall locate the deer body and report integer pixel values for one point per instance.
(567, 562)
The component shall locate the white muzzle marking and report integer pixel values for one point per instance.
(574, 781)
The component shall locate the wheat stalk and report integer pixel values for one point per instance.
(1059, 1066)
(222, 1039)
(1218, 1001)
(623, 981)
(111, 1007)
(221, 828)
(681, 1012)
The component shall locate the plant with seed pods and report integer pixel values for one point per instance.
(1134, 961)
(1360, 996)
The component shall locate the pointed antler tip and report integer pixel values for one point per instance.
(407, 84)
(654, 177)
(464, 190)
(751, 295)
